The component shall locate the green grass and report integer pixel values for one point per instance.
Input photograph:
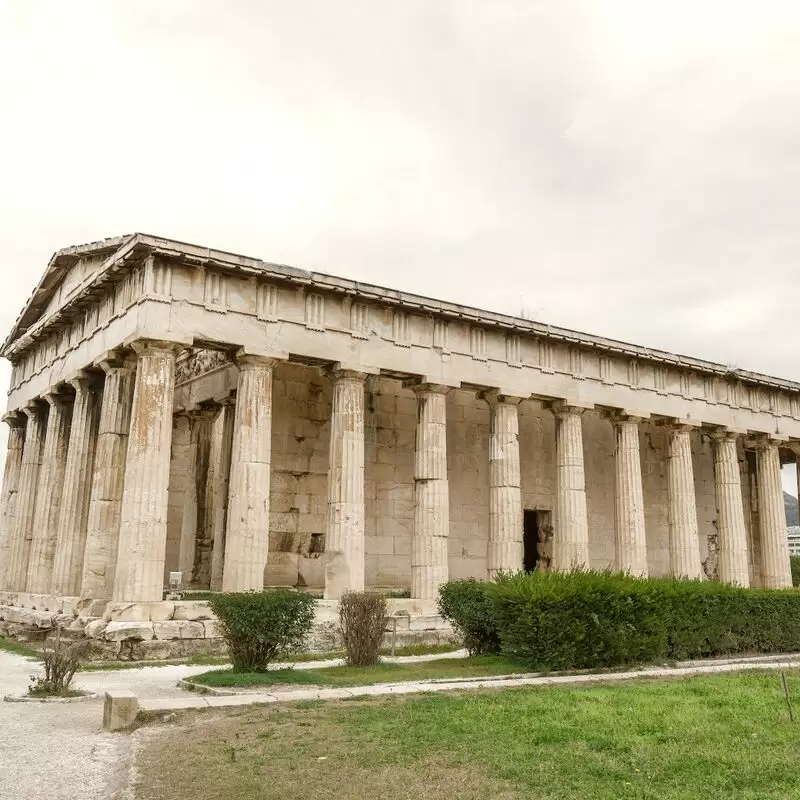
(18, 648)
(724, 737)
(360, 676)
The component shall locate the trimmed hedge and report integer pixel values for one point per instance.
(795, 562)
(466, 606)
(583, 620)
(259, 626)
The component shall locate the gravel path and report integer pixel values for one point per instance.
(60, 752)
(54, 751)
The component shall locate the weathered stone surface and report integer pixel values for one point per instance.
(143, 524)
(571, 534)
(119, 710)
(95, 628)
(179, 629)
(247, 538)
(775, 568)
(162, 611)
(684, 555)
(49, 494)
(733, 562)
(429, 562)
(167, 630)
(8, 501)
(631, 537)
(192, 610)
(128, 612)
(345, 522)
(125, 631)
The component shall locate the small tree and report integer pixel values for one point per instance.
(259, 626)
(467, 607)
(60, 664)
(362, 622)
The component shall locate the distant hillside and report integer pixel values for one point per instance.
(792, 514)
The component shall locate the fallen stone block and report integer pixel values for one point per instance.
(128, 631)
(197, 610)
(94, 628)
(119, 710)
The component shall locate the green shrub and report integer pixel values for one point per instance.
(259, 626)
(60, 663)
(795, 562)
(559, 621)
(467, 607)
(362, 622)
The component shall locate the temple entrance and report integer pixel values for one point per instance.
(532, 522)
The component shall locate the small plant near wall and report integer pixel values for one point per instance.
(362, 623)
(60, 665)
(260, 626)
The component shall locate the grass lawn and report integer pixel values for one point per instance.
(724, 737)
(359, 676)
(18, 648)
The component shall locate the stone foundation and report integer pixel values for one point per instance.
(177, 629)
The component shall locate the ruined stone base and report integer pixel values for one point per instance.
(178, 629)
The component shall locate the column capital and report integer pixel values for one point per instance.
(116, 359)
(725, 434)
(14, 419)
(142, 346)
(679, 424)
(340, 373)
(56, 396)
(620, 416)
(84, 381)
(245, 359)
(764, 441)
(33, 407)
(566, 408)
(495, 397)
(421, 387)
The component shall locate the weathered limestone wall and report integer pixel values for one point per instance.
(298, 496)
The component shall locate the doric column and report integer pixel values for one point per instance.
(108, 479)
(684, 547)
(221, 456)
(26, 499)
(74, 515)
(344, 538)
(431, 493)
(505, 494)
(732, 549)
(571, 525)
(247, 537)
(631, 540)
(49, 494)
(143, 523)
(8, 501)
(197, 529)
(775, 569)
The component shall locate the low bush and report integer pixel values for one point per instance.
(60, 664)
(259, 626)
(558, 621)
(795, 562)
(362, 622)
(466, 606)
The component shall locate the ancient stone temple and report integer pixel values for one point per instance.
(177, 408)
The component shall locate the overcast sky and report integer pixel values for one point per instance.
(627, 168)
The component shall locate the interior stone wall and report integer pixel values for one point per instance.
(298, 495)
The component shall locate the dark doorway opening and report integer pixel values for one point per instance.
(532, 522)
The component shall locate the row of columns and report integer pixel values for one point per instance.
(86, 484)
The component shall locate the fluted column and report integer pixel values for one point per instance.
(196, 530)
(222, 473)
(684, 546)
(732, 549)
(108, 479)
(429, 567)
(571, 524)
(26, 499)
(344, 537)
(8, 502)
(74, 515)
(631, 540)
(49, 494)
(143, 523)
(505, 493)
(247, 538)
(775, 570)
